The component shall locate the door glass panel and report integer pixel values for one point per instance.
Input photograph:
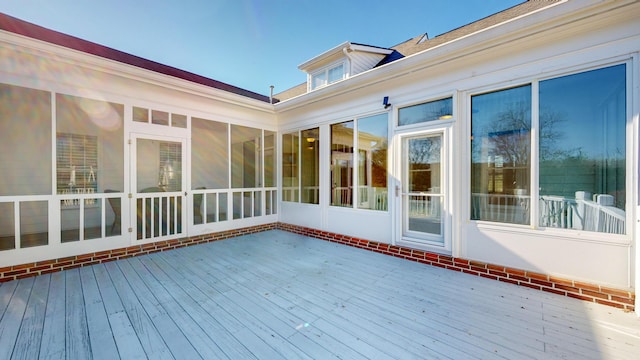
(342, 164)
(423, 199)
(158, 173)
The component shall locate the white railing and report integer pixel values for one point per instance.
(217, 205)
(158, 214)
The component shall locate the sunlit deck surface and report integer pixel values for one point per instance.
(278, 295)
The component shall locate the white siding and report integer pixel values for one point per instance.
(362, 61)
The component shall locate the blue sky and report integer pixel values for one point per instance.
(248, 43)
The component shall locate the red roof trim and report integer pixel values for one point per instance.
(21, 27)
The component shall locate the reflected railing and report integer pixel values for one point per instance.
(501, 208)
(584, 212)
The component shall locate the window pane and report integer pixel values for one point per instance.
(209, 154)
(158, 166)
(170, 177)
(336, 73)
(290, 149)
(342, 164)
(7, 226)
(582, 151)
(434, 110)
(179, 121)
(246, 157)
(310, 165)
(372, 162)
(270, 159)
(34, 223)
(318, 80)
(89, 145)
(159, 117)
(140, 114)
(500, 155)
(25, 161)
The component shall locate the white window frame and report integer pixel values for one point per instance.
(324, 73)
(534, 81)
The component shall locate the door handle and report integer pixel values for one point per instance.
(397, 190)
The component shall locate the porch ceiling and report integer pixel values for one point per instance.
(280, 295)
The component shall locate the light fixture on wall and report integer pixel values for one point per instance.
(385, 102)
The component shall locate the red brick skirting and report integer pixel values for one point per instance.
(623, 299)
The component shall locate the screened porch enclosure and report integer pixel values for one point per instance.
(64, 178)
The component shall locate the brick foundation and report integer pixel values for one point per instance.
(618, 298)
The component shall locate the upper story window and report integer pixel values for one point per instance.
(327, 76)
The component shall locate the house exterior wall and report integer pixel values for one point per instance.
(564, 39)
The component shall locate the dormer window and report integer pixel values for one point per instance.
(327, 76)
(341, 62)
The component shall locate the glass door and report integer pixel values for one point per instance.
(158, 180)
(422, 197)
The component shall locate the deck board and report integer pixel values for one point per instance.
(12, 319)
(100, 336)
(29, 338)
(278, 295)
(53, 341)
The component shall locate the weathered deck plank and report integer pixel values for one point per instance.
(279, 295)
(12, 318)
(100, 336)
(30, 336)
(78, 345)
(54, 333)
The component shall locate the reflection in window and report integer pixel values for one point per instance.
(290, 151)
(500, 155)
(430, 111)
(372, 162)
(170, 177)
(310, 165)
(270, 159)
(246, 157)
(582, 151)
(90, 138)
(342, 164)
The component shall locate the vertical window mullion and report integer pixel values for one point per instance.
(535, 154)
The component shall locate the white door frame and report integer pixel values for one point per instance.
(133, 186)
(424, 243)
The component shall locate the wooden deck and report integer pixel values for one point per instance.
(279, 295)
